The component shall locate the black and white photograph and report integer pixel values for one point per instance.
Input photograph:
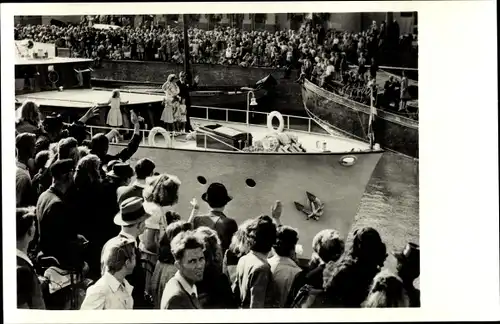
(173, 160)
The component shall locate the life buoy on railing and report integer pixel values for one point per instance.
(281, 121)
(162, 131)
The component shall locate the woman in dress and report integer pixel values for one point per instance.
(171, 99)
(115, 118)
(405, 94)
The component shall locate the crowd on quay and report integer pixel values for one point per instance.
(84, 211)
(222, 45)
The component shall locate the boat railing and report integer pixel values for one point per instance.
(291, 122)
(93, 129)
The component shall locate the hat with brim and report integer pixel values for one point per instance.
(216, 195)
(410, 254)
(131, 212)
(121, 171)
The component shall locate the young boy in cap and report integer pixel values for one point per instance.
(217, 198)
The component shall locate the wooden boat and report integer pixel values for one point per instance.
(220, 150)
(392, 131)
(235, 97)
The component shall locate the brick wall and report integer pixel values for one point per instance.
(288, 95)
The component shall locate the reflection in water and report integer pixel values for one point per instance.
(391, 203)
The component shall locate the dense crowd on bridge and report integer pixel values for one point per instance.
(82, 210)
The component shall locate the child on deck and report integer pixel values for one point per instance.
(181, 121)
(115, 118)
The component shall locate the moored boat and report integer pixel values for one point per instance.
(260, 165)
(394, 132)
(234, 96)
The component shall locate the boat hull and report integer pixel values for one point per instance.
(284, 177)
(392, 132)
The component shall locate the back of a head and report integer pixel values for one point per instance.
(213, 249)
(144, 168)
(368, 247)
(286, 239)
(240, 244)
(87, 170)
(172, 230)
(41, 159)
(66, 145)
(30, 112)
(99, 144)
(25, 218)
(185, 241)
(162, 189)
(25, 145)
(387, 291)
(328, 245)
(262, 234)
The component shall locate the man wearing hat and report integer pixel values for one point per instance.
(217, 198)
(58, 232)
(131, 218)
(143, 169)
(408, 269)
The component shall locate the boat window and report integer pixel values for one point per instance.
(251, 183)
(348, 160)
(202, 180)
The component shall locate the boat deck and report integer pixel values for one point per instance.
(84, 98)
(311, 141)
(50, 60)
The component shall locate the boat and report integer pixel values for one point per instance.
(233, 96)
(243, 149)
(63, 85)
(226, 150)
(393, 131)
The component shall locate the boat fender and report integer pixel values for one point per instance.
(162, 131)
(281, 121)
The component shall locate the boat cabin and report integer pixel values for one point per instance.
(37, 68)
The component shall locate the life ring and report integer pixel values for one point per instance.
(281, 121)
(53, 77)
(162, 131)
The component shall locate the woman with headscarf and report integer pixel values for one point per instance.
(170, 101)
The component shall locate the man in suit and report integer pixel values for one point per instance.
(131, 218)
(29, 291)
(143, 169)
(180, 291)
(59, 236)
(184, 89)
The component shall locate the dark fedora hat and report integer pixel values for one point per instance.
(121, 171)
(216, 195)
(131, 212)
(410, 254)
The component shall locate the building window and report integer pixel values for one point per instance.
(260, 18)
(406, 14)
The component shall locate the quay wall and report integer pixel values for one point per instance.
(288, 92)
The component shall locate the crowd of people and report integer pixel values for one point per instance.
(90, 225)
(221, 45)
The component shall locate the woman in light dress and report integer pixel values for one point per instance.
(171, 101)
(115, 118)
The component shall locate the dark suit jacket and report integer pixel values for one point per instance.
(29, 291)
(184, 89)
(58, 228)
(225, 226)
(176, 297)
